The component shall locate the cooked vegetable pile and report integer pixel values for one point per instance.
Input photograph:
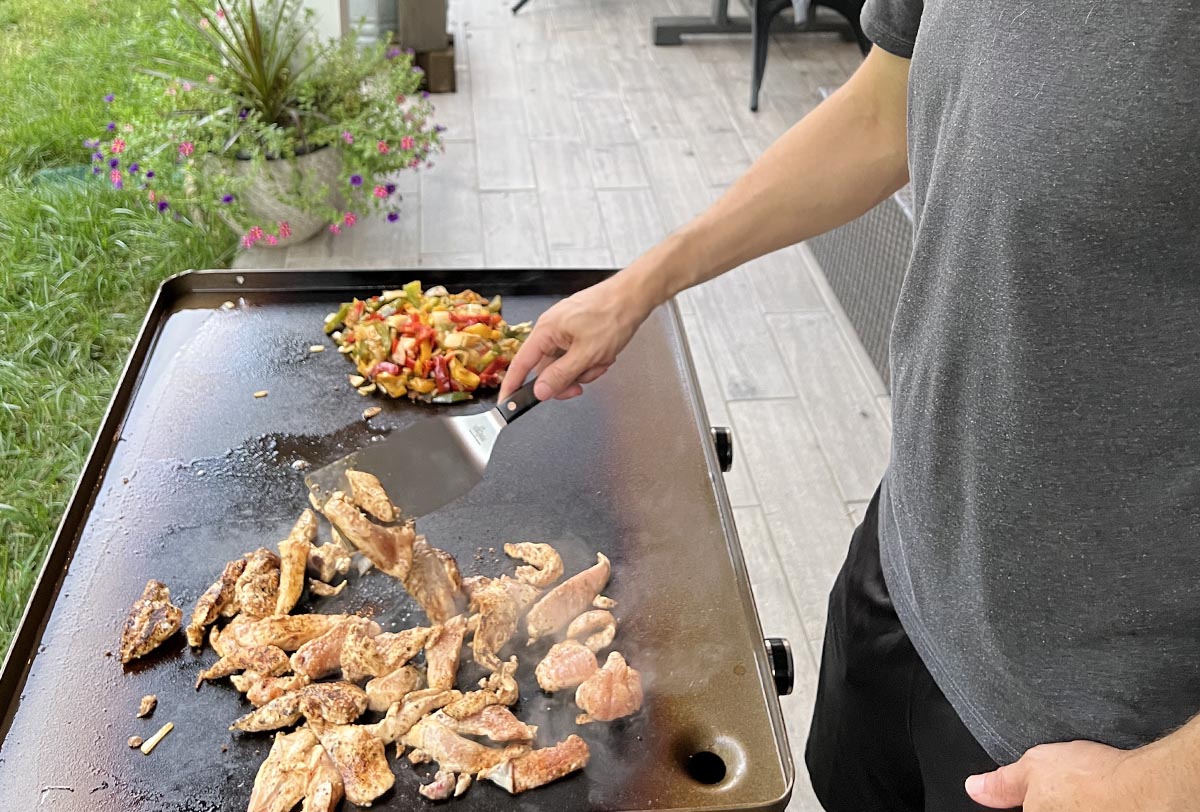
(432, 346)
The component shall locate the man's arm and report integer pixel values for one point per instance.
(835, 164)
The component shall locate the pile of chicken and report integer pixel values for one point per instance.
(342, 666)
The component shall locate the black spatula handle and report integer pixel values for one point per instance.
(521, 401)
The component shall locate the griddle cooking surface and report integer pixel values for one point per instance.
(203, 472)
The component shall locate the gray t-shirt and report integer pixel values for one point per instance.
(1040, 519)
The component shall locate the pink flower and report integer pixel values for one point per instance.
(204, 23)
(212, 79)
(383, 147)
(407, 142)
(380, 191)
(271, 239)
(347, 137)
(220, 14)
(400, 100)
(256, 233)
(247, 242)
(186, 148)
(414, 163)
(335, 228)
(350, 219)
(187, 86)
(285, 230)
(118, 146)
(152, 196)
(115, 176)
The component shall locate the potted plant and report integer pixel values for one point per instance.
(257, 125)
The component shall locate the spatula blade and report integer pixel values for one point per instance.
(422, 467)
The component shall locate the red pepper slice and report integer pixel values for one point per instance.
(441, 373)
(467, 319)
(357, 310)
(349, 338)
(384, 366)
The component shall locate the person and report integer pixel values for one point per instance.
(1017, 623)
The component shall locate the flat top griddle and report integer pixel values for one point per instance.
(190, 470)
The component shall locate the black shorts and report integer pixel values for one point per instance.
(883, 737)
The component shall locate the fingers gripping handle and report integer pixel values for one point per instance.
(518, 403)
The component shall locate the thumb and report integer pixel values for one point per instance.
(1004, 788)
(555, 378)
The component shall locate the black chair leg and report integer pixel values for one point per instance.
(518, 6)
(765, 12)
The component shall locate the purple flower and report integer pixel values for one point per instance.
(109, 98)
(226, 198)
(356, 180)
(133, 167)
(391, 188)
(409, 51)
(245, 111)
(114, 163)
(393, 53)
(439, 128)
(163, 205)
(95, 170)
(393, 216)
(118, 185)
(112, 126)
(417, 69)
(97, 156)
(150, 174)
(91, 143)
(424, 94)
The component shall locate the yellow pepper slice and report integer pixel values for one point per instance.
(468, 379)
(422, 385)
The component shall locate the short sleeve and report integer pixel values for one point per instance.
(893, 24)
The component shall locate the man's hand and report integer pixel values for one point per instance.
(1072, 777)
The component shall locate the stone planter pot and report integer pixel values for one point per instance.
(270, 183)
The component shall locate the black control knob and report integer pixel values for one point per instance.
(779, 655)
(723, 440)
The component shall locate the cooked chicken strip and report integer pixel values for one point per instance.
(440, 788)
(462, 784)
(278, 713)
(338, 703)
(213, 601)
(324, 590)
(151, 620)
(595, 629)
(540, 767)
(566, 665)
(268, 660)
(498, 688)
(366, 656)
(401, 716)
(442, 651)
(604, 602)
(327, 561)
(258, 586)
(288, 632)
(323, 793)
(454, 753)
(523, 594)
(434, 581)
(568, 600)
(321, 656)
(360, 760)
(612, 692)
(496, 722)
(494, 625)
(367, 492)
(547, 565)
(283, 777)
(261, 689)
(389, 548)
(383, 692)
(293, 558)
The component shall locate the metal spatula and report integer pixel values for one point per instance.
(431, 463)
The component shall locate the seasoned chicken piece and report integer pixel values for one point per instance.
(321, 656)
(612, 692)
(440, 788)
(147, 705)
(454, 753)
(401, 716)
(281, 712)
(494, 625)
(496, 722)
(567, 601)
(498, 688)
(367, 492)
(389, 548)
(442, 651)
(434, 581)
(338, 703)
(365, 656)
(383, 692)
(596, 629)
(566, 665)
(603, 602)
(151, 620)
(522, 594)
(215, 599)
(324, 590)
(546, 564)
(323, 793)
(327, 561)
(261, 689)
(293, 558)
(268, 660)
(258, 586)
(462, 784)
(283, 777)
(359, 759)
(540, 767)
(288, 632)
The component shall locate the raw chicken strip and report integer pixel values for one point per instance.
(151, 620)
(598, 628)
(283, 777)
(547, 565)
(368, 493)
(442, 651)
(213, 601)
(385, 691)
(288, 632)
(440, 788)
(267, 660)
(323, 793)
(566, 665)
(454, 753)
(389, 548)
(434, 581)
(293, 558)
(540, 767)
(496, 722)
(258, 586)
(360, 760)
(611, 693)
(568, 600)
(322, 656)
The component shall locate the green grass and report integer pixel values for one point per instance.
(78, 263)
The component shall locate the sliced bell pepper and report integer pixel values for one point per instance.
(451, 397)
(465, 377)
(412, 292)
(441, 373)
(421, 385)
(334, 320)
